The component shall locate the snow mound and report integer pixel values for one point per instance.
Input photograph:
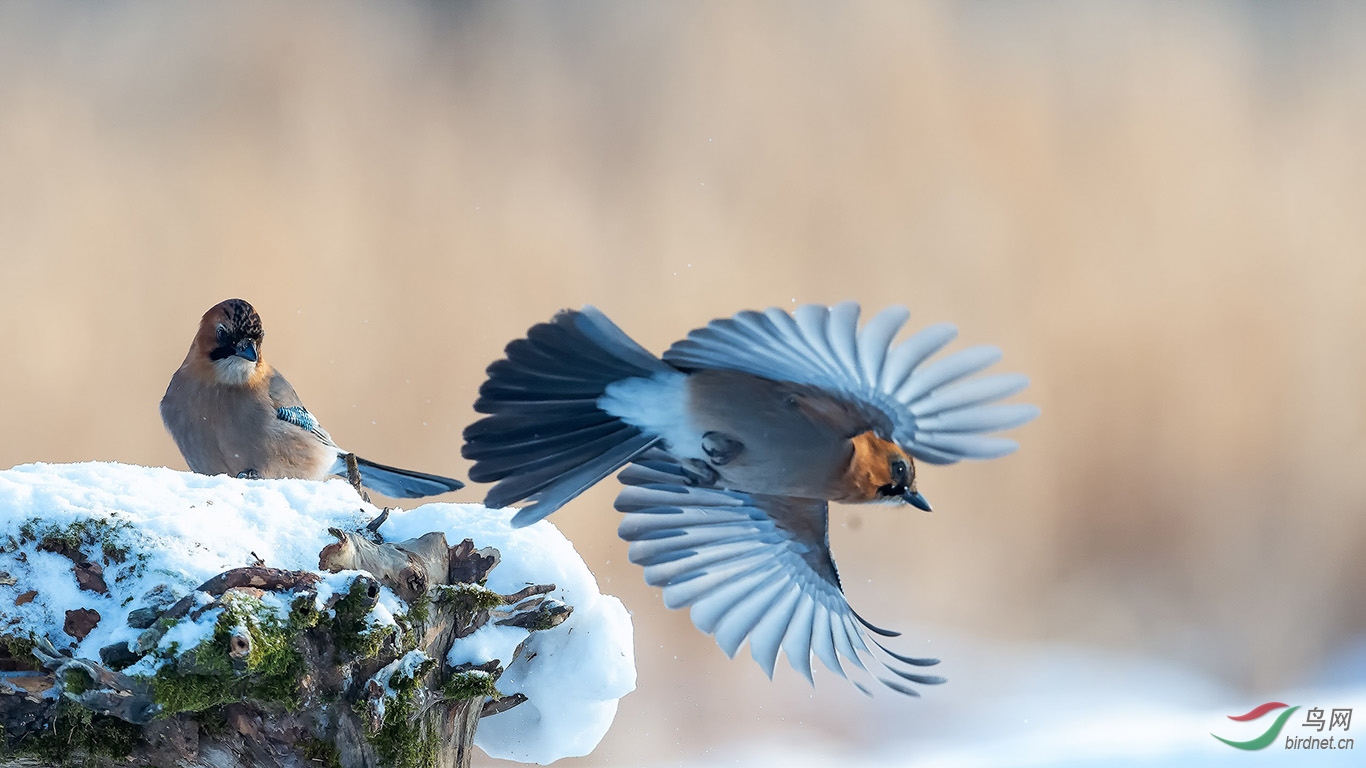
(594, 665)
(164, 532)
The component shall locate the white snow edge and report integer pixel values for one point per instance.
(186, 528)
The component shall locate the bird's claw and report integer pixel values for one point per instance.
(700, 473)
(248, 474)
(721, 448)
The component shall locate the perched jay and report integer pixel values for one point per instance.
(738, 439)
(231, 413)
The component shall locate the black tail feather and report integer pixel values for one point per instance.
(399, 483)
(541, 444)
(544, 437)
(521, 426)
(551, 497)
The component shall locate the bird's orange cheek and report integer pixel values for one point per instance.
(858, 485)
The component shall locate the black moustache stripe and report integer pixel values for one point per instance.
(220, 353)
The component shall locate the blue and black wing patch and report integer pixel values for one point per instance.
(298, 416)
(301, 418)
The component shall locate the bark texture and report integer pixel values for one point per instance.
(320, 686)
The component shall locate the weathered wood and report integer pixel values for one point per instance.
(469, 565)
(336, 692)
(260, 577)
(407, 567)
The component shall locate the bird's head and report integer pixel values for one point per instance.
(880, 470)
(229, 342)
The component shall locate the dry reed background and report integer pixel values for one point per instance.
(1155, 209)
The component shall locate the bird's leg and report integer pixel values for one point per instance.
(248, 474)
(721, 448)
(353, 475)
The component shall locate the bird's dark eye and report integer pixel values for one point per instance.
(901, 477)
(221, 335)
(901, 473)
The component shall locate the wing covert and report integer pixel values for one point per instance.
(301, 418)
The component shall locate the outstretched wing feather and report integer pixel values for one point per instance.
(751, 569)
(823, 347)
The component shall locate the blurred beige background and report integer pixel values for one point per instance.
(1157, 210)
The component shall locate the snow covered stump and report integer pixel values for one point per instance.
(158, 617)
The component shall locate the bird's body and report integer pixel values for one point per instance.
(224, 430)
(738, 437)
(232, 413)
(754, 434)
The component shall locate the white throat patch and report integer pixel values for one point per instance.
(234, 370)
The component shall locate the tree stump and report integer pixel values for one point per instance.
(270, 668)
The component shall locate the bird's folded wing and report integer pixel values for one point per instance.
(288, 407)
(753, 568)
(301, 418)
(939, 413)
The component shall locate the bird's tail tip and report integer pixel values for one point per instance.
(398, 483)
(544, 437)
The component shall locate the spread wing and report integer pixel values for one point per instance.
(939, 411)
(289, 408)
(753, 568)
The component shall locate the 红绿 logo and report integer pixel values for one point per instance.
(1263, 741)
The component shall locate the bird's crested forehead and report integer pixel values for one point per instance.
(237, 316)
(869, 445)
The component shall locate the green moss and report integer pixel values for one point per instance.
(77, 737)
(370, 642)
(471, 597)
(19, 648)
(353, 607)
(321, 753)
(177, 692)
(400, 742)
(207, 676)
(469, 685)
(353, 633)
(106, 533)
(113, 552)
(75, 683)
(303, 614)
(401, 745)
(422, 671)
(419, 609)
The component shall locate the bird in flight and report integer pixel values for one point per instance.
(230, 412)
(737, 439)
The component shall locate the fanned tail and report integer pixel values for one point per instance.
(544, 437)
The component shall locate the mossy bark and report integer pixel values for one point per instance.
(317, 684)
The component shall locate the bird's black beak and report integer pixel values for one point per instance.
(916, 500)
(247, 350)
